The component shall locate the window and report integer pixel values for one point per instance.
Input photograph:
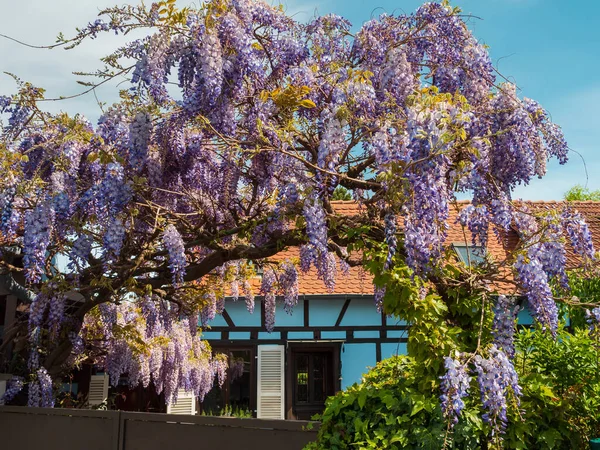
(311, 377)
(235, 397)
(470, 255)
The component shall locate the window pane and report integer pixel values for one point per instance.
(233, 398)
(476, 255)
(318, 366)
(318, 378)
(302, 378)
(239, 380)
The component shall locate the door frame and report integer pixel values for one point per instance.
(308, 347)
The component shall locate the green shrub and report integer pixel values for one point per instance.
(393, 409)
(387, 410)
(561, 389)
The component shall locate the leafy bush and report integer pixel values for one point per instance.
(561, 389)
(393, 408)
(388, 410)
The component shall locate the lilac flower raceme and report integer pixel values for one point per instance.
(248, 296)
(37, 309)
(36, 238)
(114, 191)
(56, 310)
(34, 398)
(579, 235)
(378, 295)
(327, 269)
(267, 289)
(113, 238)
(45, 382)
(316, 227)
(397, 76)
(455, 386)
(177, 261)
(505, 315)
(498, 381)
(139, 138)
(208, 81)
(593, 319)
(6, 207)
(476, 219)
(390, 238)
(13, 387)
(209, 311)
(288, 283)
(535, 285)
(236, 368)
(221, 365)
(332, 144)
(80, 252)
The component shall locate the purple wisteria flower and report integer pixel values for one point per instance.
(498, 381)
(454, 386)
(36, 238)
(503, 329)
(13, 387)
(177, 262)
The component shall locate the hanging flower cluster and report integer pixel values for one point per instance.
(152, 344)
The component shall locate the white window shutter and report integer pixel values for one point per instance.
(185, 404)
(98, 389)
(270, 382)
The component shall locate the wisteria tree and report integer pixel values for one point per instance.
(237, 127)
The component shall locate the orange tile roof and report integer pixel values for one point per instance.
(357, 281)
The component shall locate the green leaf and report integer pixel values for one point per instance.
(550, 437)
(362, 399)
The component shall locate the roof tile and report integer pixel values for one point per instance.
(357, 281)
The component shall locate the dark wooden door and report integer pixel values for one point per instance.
(313, 381)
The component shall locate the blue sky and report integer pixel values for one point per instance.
(550, 48)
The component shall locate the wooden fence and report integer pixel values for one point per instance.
(24, 428)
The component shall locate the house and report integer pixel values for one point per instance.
(331, 338)
(325, 345)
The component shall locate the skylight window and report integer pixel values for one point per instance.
(470, 255)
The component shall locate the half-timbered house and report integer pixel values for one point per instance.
(327, 343)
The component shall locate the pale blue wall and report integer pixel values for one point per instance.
(218, 321)
(324, 312)
(366, 334)
(397, 333)
(301, 335)
(333, 335)
(211, 335)
(239, 335)
(265, 335)
(361, 312)
(390, 349)
(240, 315)
(295, 319)
(356, 360)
